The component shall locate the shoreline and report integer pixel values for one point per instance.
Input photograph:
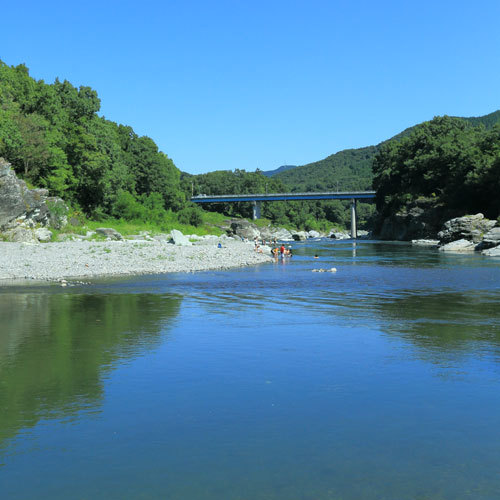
(81, 260)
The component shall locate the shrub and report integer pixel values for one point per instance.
(191, 216)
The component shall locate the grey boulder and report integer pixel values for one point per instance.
(299, 236)
(492, 252)
(179, 239)
(20, 234)
(245, 229)
(110, 233)
(43, 234)
(469, 227)
(462, 245)
(491, 238)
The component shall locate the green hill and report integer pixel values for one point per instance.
(345, 170)
(489, 121)
(283, 168)
(351, 168)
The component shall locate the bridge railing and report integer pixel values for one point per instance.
(270, 195)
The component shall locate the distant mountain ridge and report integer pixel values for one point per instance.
(283, 168)
(350, 168)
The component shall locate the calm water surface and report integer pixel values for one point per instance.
(381, 381)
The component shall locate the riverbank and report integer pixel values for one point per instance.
(88, 259)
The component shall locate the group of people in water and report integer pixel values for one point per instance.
(276, 250)
(282, 251)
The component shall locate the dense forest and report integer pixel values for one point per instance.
(447, 162)
(319, 215)
(350, 169)
(54, 137)
(450, 162)
(353, 168)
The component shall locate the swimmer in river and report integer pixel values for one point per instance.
(316, 256)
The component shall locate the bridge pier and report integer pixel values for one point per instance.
(354, 232)
(256, 210)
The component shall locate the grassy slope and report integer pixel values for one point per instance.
(211, 225)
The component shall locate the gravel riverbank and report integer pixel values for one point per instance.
(86, 259)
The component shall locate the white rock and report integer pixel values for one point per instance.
(300, 236)
(492, 252)
(43, 234)
(458, 246)
(179, 238)
(21, 234)
(425, 243)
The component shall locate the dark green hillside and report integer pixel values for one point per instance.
(352, 168)
(489, 121)
(348, 169)
(446, 163)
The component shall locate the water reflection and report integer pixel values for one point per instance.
(445, 321)
(56, 348)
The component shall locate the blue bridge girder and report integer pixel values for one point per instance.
(331, 195)
(256, 200)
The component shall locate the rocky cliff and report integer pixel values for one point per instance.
(26, 213)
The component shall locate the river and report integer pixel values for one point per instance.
(379, 381)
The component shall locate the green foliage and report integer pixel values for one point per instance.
(191, 215)
(447, 161)
(346, 170)
(53, 137)
(427, 172)
(128, 207)
(319, 215)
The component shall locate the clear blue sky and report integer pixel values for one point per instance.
(255, 84)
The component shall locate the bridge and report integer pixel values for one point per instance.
(256, 200)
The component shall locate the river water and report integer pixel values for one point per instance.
(379, 381)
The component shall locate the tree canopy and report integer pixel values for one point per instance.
(53, 136)
(446, 160)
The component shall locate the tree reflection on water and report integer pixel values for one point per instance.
(55, 349)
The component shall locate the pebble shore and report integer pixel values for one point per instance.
(87, 259)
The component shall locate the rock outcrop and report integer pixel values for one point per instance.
(411, 224)
(249, 231)
(422, 219)
(491, 239)
(110, 233)
(461, 245)
(22, 210)
(469, 227)
(339, 235)
(300, 236)
(245, 229)
(271, 233)
(470, 233)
